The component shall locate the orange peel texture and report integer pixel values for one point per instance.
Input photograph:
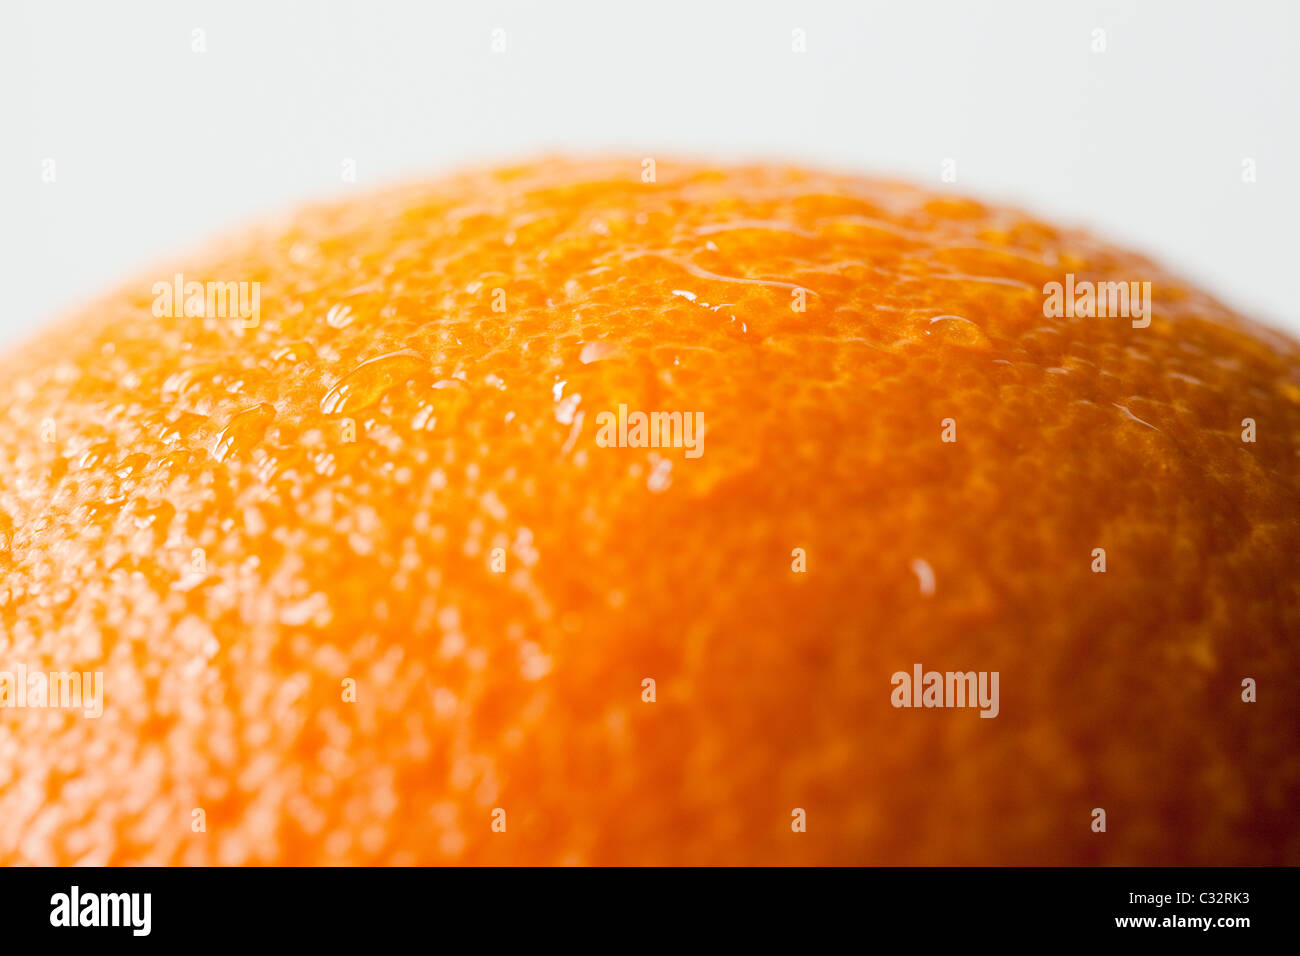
(369, 646)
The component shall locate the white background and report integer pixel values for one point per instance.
(156, 146)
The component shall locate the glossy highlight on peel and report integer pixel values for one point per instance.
(365, 589)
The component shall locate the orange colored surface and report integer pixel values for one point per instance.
(325, 560)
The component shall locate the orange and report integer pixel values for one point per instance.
(363, 586)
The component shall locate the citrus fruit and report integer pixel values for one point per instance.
(406, 559)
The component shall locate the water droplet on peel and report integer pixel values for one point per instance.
(367, 383)
(564, 410)
(958, 331)
(177, 459)
(132, 465)
(661, 475)
(702, 273)
(424, 418)
(176, 384)
(339, 316)
(595, 352)
(94, 454)
(924, 575)
(244, 431)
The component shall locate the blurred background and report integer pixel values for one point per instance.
(130, 132)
